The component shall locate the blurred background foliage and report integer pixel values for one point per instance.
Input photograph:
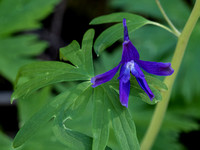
(34, 30)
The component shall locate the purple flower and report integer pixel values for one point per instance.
(131, 63)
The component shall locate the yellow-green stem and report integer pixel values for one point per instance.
(175, 31)
(161, 107)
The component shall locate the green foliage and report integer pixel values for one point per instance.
(18, 51)
(178, 14)
(80, 57)
(189, 72)
(21, 15)
(114, 33)
(100, 119)
(117, 17)
(122, 123)
(106, 112)
(180, 117)
(71, 139)
(5, 142)
(47, 112)
(45, 137)
(45, 73)
(28, 106)
(40, 71)
(156, 86)
(16, 16)
(81, 117)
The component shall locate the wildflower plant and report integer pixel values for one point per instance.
(130, 63)
(107, 124)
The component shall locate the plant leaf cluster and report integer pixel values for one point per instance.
(18, 50)
(79, 116)
(107, 115)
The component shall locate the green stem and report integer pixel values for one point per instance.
(161, 107)
(176, 32)
(164, 27)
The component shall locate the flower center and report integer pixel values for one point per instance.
(130, 65)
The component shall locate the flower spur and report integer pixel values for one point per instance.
(130, 63)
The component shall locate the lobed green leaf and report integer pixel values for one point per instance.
(18, 51)
(72, 53)
(122, 122)
(20, 15)
(41, 74)
(80, 57)
(136, 91)
(87, 45)
(71, 139)
(158, 84)
(79, 105)
(39, 119)
(5, 142)
(114, 33)
(45, 73)
(150, 9)
(33, 103)
(117, 17)
(100, 119)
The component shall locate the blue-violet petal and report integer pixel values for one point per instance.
(129, 52)
(143, 84)
(126, 37)
(124, 90)
(135, 70)
(124, 73)
(156, 68)
(105, 77)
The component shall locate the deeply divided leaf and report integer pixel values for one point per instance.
(72, 53)
(87, 45)
(20, 15)
(114, 33)
(122, 122)
(100, 119)
(40, 74)
(37, 75)
(80, 57)
(71, 139)
(137, 92)
(18, 51)
(117, 17)
(62, 101)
